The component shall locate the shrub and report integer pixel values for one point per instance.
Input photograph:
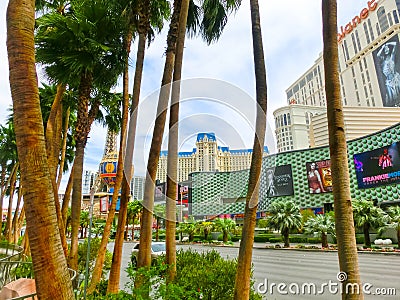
(221, 236)
(94, 249)
(236, 238)
(264, 237)
(314, 240)
(360, 239)
(200, 275)
(275, 240)
(298, 239)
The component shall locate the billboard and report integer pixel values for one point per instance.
(378, 167)
(387, 66)
(319, 176)
(279, 181)
(160, 191)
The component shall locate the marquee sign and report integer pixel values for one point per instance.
(372, 5)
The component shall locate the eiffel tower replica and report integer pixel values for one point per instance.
(104, 182)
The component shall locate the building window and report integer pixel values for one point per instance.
(346, 51)
(395, 17)
(389, 16)
(366, 33)
(377, 29)
(370, 30)
(358, 41)
(383, 22)
(354, 43)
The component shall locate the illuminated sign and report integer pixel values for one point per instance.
(372, 5)
(378, 167)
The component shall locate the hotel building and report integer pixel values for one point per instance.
(369, 68)
(206, 157)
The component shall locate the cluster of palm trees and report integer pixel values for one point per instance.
(285, 216)
(204, 228)
(83, 48)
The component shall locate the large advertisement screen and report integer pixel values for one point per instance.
(279, 181)
(378, 167)
(319, 176)
(387, 66)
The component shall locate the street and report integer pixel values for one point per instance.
(292, 274)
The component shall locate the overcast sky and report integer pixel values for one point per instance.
(292, 36)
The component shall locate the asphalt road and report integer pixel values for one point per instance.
(289, 274)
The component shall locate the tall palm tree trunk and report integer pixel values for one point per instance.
(15, 233)
(345, 232)
(243, 273)
(3, 192)
(53, 134)
(84, 122)
(8, 229)
(113, 282)
(172, 163)
(367, 240)
(63, 147)
(144, 258)
(51, 273)
(67, 198)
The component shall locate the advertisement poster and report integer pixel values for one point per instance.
(279, 181)
(378, 167)
(183, 196)
(319, 176)
(387, 66)
(159, 192)
(104, 204)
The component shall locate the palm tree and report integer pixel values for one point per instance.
(84, 223)
(205, 228)
(189, 228)
(226, 226)
(147, 12)
(52, 277)
(243, 276)
(134, 209)
(394, 213)
(284, 216)
(323, 224)
(367, 216)
(91, 31)
(345, 232)
(144, 256)
(172, 161)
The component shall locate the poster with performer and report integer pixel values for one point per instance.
(319, 176)
(387, 66)
(279, 181)
(378, 167)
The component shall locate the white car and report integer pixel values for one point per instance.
(157, 249)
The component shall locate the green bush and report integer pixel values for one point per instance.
(236, 238)
(314, 240)
(298, 239)
(275, 240)
(94, 249)
(221, 237)
(261, 239)
(360, 239)
(214, 277)
(200, 275)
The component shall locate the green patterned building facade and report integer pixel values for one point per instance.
(216, 193)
